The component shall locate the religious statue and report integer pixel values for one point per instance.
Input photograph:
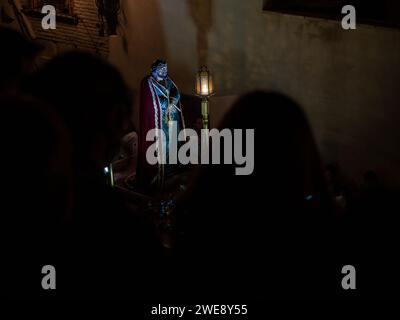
(159, 108)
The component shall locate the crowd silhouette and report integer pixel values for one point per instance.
(284, 231)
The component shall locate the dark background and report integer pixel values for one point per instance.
(384, 12)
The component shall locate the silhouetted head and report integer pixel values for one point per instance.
(287, 179)
(251, 226)
(36, 166)
(92, 99)
(286, 159)
(17, 57)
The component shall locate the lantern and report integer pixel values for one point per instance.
(204, 89)
(204, 83)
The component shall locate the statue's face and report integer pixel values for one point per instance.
(161, 72)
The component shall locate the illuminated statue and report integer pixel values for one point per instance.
(159, 107)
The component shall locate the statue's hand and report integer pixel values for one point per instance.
(169, 111)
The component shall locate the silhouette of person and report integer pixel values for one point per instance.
(95, 104)
(268, 233)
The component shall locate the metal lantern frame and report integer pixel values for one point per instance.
(205, 89)
(204, 79)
